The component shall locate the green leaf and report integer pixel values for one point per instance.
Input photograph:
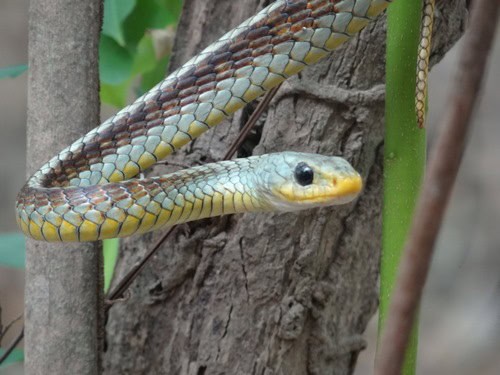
(115, 12)
(148, 14)
(145, 57)
(12, 71)
(110, 252)
(115, 62)
(154, 76)
(12, 250)
(173, 8)
(16, 356)
(115, 95)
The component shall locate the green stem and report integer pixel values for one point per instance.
(405, 148)
(110, 255)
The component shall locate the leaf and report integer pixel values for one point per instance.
(12, 71)
(173, 8)
(115, 62)
(16, 356)
(110, 252)
(115, 95)
(115, 12)
(145, 57)
(154, 76)
(148, 14)
(12, 250)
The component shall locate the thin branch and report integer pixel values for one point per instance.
(127, 280)
(251, 122)
(12, 346)
(172, 164)
(9, 326)
(442, 171)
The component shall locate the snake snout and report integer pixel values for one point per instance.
(347, 188)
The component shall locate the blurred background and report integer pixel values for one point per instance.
(460, 312)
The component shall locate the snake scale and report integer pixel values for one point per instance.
(89, 191)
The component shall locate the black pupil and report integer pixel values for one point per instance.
(304, 174)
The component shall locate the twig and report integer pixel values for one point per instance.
(9, 326)
(170, 163)
(251, 122)
(12, 346)
(127, 280)
(124, 283)
(441, 175)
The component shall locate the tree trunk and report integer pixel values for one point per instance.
(63, 282)
(270, 293)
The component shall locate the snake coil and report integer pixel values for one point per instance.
(88, 191)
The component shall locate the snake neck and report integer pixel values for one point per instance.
(136, 206)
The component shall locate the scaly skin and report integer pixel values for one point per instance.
(424, 54)
(255, 184)
(79, 194)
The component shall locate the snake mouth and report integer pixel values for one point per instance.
(339, 190)
(342, 190)
(348, 187)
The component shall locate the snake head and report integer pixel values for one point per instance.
(295, 181)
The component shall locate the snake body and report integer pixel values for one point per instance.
(424, 54)
(88, 191)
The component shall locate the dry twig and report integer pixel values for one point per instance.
(9, 326)
(12, 346)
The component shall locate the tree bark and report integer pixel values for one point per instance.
(63, 282)
(270, 293)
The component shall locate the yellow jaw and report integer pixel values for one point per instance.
(329, 191)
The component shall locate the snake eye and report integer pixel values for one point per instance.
(304, 174)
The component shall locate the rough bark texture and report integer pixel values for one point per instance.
(63, 282)
(270, 293)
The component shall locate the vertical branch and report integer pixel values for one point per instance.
(63, 282)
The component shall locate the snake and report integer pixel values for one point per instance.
(90, 190)
(423, 57)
